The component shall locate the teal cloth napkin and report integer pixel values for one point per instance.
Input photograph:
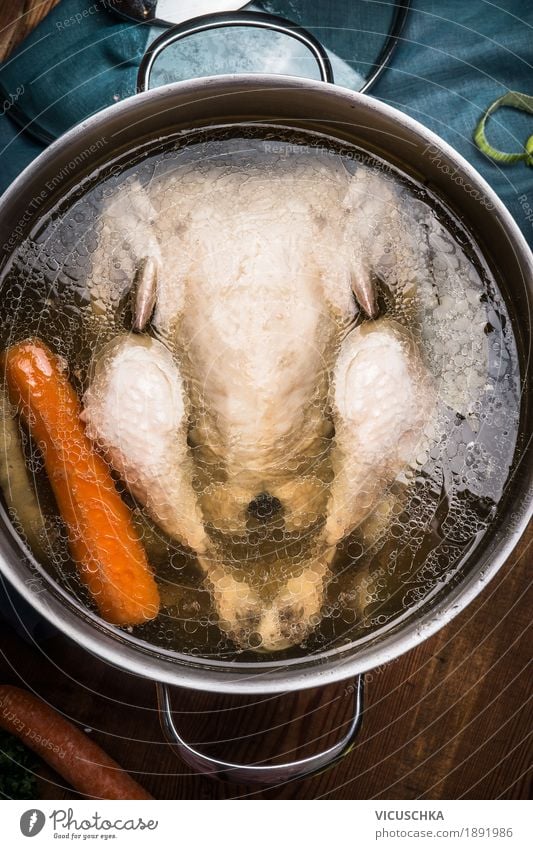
(80, 59)
(454, 59)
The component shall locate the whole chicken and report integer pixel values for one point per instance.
(264, 391)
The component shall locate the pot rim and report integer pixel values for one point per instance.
(321, 668)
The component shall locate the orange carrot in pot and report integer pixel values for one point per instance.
(64, 747)
(102, 537)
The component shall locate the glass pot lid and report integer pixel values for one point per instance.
(84, 68)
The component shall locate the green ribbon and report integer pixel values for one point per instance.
(523, 102)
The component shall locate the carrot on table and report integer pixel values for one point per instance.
(64, 747)
(102, 537)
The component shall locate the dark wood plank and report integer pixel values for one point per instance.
(449, 719)
(18, 18)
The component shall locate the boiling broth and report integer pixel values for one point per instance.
(427, 522)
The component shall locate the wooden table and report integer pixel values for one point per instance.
(447, 720)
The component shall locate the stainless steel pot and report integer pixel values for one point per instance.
(358, 119)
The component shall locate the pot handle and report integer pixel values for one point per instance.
(227, 19)
(262, 774)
